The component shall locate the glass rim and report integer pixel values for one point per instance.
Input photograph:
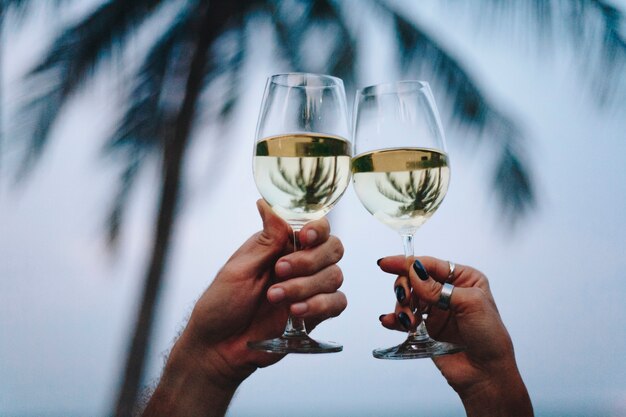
(282, 79)
(394, 87)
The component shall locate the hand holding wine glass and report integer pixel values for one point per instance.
(301, 168)
(211, 359)
(401, 174)
(485, 375)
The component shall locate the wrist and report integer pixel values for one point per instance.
(195, 382)
(208, 361)
(502, 393)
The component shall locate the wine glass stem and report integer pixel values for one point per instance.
(420, 333)
(295, 326)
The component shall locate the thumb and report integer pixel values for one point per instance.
(275, 231)
(262, 250)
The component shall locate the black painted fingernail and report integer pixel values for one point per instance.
(404, 320)
(400, 294)
(420, 270)
(378, 261)
(380, 318)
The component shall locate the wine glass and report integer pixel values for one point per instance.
(301, 168)
(400, 173)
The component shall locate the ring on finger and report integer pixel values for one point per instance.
(445, 296)
(451, 268)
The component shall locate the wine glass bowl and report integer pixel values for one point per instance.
(301, 168)
(401, 187)
(401, 174)
(302, 175)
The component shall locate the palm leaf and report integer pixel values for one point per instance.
(73, 58)
(148, 115)
(290, 29)
(593, 30)
(470, 108)
(20, 8)
(510, 171)
(342, 59)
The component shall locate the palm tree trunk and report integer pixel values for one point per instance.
(174, 153)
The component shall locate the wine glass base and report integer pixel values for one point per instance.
(299, 344)
(417, 349)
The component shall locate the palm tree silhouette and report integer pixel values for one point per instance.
(313, 182)
(417, 191)
(203, 48)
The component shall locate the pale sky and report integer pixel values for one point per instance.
(65, 305)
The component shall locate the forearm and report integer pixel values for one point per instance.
(190, 386)
(503, 396)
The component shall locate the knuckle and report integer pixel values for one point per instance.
(482, 280)
(322, 305)
(306, 263)
(343, 300)
(434, 289)
(337, 275)
(293, 290)
(324, 225)
(476, 295)
(337, 248)
(342, 303)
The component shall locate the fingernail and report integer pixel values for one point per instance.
(276, 295)
(282, 269)
(400, 294)
(404, 320)
(311, 237)
(378, 261)
(299, 308)
(420, 270)
(380, 318)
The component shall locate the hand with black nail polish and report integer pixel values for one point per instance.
(400, 293)
(250, 298)
(485, 375)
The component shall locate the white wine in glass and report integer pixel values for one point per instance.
(401, 174)
(301, 168)
(302, 175)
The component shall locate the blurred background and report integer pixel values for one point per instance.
(126, 182)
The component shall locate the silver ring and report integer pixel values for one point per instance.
(451, 267)
(444, 296)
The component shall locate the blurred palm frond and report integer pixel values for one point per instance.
(471, 109)
(592, 30)
(73, 59)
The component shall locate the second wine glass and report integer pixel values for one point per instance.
(401, 174)
(301, 168)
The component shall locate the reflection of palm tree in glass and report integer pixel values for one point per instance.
(400, 174)
(157, 124)
(315, 181)
(421, 192)
(301, 167)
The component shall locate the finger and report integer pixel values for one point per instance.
(298, 289)
(463, 276)
(406, 318)
(390, 321)
(314, 233)
(402, 290)
(438, 269)
(424, 286)
(393, 264)
(320, 306)
(429, 290)
(309, 261)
